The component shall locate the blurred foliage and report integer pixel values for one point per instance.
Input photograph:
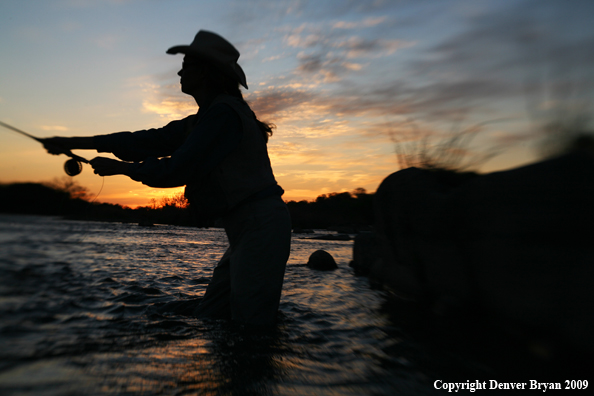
(454, 152)
(348, 210)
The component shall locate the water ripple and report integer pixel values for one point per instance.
(105, 308)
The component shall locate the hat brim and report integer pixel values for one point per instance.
(235, 71)
(178, 49)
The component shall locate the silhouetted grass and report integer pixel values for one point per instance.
(452, 153)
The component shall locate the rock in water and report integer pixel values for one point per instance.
(365, 254)
(321, 260)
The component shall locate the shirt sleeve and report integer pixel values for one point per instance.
(217, 133)
(141, 145)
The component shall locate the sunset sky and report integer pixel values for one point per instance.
(346, 82)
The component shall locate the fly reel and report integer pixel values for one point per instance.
(72, 167)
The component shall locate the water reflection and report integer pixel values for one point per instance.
(249, 360)
(111, 315)
(223, 360)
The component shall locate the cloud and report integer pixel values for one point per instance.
(510, 60)
(357, 47)
(271, 58)
(331, 53)
(275, 99)
(517, 41)
(169, 108)
(469, 77)
(313, 37)
(327, 66)
(330, 169)
(367, 22)
(162, 98)
(297, 40)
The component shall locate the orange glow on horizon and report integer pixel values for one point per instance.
(141, 196)
(134, 200)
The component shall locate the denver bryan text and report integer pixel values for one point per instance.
(473, 386)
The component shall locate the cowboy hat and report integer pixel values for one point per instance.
(216, 49)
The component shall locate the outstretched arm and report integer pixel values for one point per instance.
(128, 146)
(59, 145)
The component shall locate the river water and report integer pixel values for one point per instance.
(93, 308)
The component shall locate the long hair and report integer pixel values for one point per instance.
(221, 82)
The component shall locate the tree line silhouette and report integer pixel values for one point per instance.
(345, 211)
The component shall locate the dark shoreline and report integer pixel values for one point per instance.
(346, 213)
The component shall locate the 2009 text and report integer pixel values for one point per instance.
(576, 384)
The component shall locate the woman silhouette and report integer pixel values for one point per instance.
(220, 155)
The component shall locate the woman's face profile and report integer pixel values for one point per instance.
(192, 75)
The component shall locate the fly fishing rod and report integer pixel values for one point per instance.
(72, 167)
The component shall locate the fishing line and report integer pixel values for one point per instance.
(101, 189)
(72, 167)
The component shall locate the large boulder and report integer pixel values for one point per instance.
(321, 260)
(515, 245)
